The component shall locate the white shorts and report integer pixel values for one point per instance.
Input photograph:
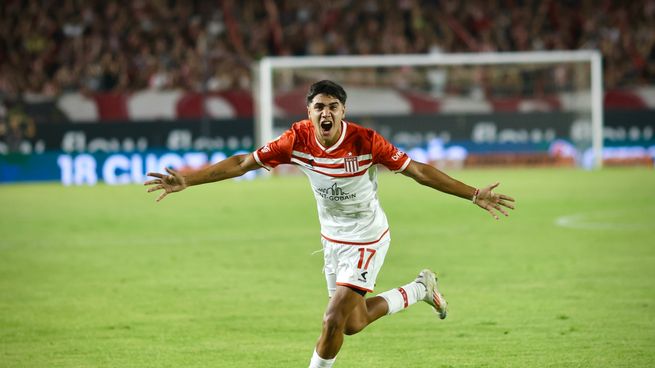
(353, 265)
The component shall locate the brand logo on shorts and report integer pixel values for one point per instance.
(362, 276)
(334, 193)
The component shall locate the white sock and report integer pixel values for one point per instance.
(318, 362)
(404, 296)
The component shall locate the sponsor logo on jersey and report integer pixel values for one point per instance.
(397, 155)
(350, 164)
(334, 193)
(362, 276)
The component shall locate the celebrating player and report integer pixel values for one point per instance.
(340, 159)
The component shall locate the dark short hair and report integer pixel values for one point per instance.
(329, 88)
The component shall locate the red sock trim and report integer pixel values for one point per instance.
(405, 300)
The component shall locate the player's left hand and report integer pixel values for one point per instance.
(171, 183)
(494, 202)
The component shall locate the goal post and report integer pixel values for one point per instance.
(264, 91)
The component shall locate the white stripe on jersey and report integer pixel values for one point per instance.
(301, 163)
(256, 156)
(327, 171)
(329, 161)
(402, 168)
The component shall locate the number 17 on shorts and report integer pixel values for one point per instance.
(355, 266)
(365, 256)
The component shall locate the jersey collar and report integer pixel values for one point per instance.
(336, 145)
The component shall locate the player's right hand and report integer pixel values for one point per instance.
(173, 182)
(491, 201)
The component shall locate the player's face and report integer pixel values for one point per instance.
(326, 113)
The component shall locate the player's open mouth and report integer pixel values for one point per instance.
(326, 126)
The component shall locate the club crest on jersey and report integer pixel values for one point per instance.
(350, 164)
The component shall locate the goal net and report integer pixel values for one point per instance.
(519, 108)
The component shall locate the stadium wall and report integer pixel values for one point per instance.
(122, 152)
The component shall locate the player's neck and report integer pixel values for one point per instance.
(330, 141)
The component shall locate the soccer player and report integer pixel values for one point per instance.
(340, 158)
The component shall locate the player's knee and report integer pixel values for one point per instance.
(333, 323)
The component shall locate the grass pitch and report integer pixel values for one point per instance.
(223, 275)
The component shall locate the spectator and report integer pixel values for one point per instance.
(49, 47)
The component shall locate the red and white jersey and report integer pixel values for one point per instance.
(343, 177)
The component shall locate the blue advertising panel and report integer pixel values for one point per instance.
(111, 168)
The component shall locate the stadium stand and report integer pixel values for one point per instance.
(120, 60)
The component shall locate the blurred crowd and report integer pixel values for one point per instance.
(49, 47)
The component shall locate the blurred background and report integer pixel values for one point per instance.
(96, 91)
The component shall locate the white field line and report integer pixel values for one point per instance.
(604, 220)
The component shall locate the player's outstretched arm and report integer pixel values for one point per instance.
(485, 198)
(231, 167)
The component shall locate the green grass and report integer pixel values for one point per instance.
(223, 275)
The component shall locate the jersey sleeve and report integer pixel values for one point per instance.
(276, 152)
(389, 155)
